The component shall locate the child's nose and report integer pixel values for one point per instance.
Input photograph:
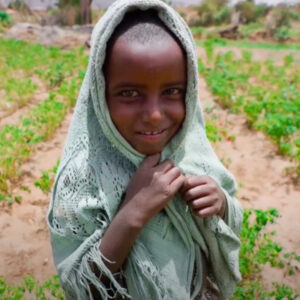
(152, 112)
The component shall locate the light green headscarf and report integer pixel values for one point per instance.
(97, 165)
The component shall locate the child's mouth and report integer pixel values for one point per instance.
(151, 134)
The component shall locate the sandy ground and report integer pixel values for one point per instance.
(24, 239)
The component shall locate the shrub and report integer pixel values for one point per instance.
(282, 34)
(5, 18)
(247, 11)
(212, 11)
(223, 16)
(261, 10)
(278, 22)
(283, 16)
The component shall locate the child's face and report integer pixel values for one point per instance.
(145, 91)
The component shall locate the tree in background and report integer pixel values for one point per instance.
(85, 11)
(212, 12)
(75, 11)
(249, 12)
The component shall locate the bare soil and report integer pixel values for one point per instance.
(25, 246)
(24, 239)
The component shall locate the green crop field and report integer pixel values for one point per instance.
(267, 93)
(61, 73)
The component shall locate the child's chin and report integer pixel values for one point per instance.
(149, 151)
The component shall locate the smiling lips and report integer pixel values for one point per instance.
(151, 134)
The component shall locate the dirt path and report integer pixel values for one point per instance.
(24, 238)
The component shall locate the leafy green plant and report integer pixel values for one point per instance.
(212, 131)
(5, 18)
(282, 34)
(209, 49)
(258, 249)
(31, 289)
(46, 180)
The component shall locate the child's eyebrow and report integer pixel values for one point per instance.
(137, 85)
(128, 84)
(175, 83)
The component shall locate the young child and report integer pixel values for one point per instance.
(142, 208)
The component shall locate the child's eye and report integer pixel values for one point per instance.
(129, 93)
(173, 91)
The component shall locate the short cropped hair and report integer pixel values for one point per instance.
(142, 27)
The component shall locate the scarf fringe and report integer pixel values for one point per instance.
(77, 284)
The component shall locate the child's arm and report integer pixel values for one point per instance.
(148, 192)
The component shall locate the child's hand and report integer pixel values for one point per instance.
(151, 187)
(204, 196)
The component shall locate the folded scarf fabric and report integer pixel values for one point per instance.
(95, 170)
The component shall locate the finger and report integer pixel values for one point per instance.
(151, 161)
(192, 181)
(164, 166)
(177, 184)
(201, 203)
(185, 184)
(171, 175)
(196, 192)
(206, 212)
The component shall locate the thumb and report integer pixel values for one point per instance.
(151, 160)
(185, 185)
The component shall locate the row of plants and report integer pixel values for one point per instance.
(267, 93)
(258, 248)
(50, 66)
(62, 71)
(245, 44)
(31, 288)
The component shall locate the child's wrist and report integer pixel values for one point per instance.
(131, 216)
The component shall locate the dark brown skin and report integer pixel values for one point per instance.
(145, 92)
(145, 96)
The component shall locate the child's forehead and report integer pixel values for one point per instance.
(134, 53)
(159, 65)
